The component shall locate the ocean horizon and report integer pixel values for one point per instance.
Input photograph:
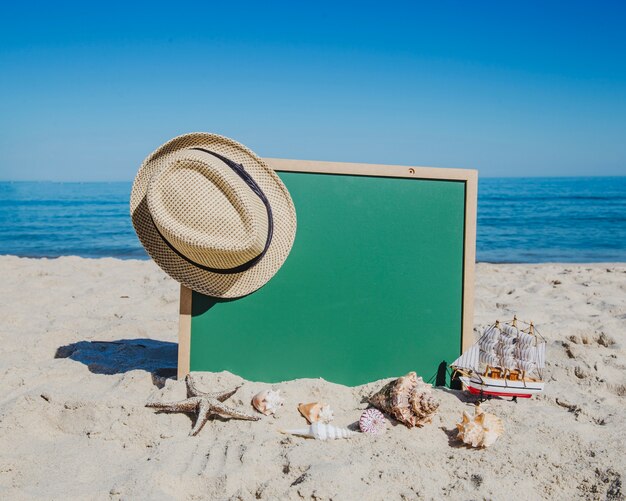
(520, 220)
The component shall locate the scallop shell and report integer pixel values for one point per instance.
(480, 430)
(267, 401)
(316, 411)
(373, 421)
(322, 431)
(408, 399)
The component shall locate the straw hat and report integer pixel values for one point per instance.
(212, 214)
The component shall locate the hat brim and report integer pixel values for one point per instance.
(209, 283)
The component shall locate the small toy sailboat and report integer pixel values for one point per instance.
(506, 361)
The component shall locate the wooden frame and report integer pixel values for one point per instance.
(468, 176)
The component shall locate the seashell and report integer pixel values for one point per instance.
(267, 401)
(316, 411)
(373, 421)
(322, 431)
(481, 430)
(408, 399)
(326, 414)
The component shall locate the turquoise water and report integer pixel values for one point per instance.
(519, 220)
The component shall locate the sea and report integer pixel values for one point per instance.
(520, 220)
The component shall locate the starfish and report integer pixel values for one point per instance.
(204, 404)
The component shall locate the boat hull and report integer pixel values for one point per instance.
(479, 385)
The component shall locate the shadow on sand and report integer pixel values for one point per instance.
(159, 358)
(464, 396)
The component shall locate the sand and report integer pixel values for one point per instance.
(86, 343)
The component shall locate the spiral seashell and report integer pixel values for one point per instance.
(267, 401)
(373, 421)
(480, 430)
(322, 431)
(408, 399)
(316, 411)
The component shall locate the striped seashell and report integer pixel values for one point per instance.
(322, 431)
(373, 421)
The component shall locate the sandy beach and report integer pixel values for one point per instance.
(86, 343)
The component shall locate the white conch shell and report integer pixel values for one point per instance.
(481, 430)
(322, 431)
(316, 411)
(267, 401)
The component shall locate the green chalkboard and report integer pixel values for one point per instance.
(373, 287)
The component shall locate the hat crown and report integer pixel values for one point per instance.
(206, 211)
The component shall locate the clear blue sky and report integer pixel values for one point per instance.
(534, 88)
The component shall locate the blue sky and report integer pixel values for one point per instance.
(532, 88)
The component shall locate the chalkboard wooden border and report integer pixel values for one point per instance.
(468, 176)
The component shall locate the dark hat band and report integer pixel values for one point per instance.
(247, 178)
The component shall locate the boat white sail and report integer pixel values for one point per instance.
(468, 360)
(509, 363)
(525, 339)
(526, 353)
(491, 335)
(505, 351)
(541, 355)
(509, 330)
(526, 365)
(489, 359)
(488, 345)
